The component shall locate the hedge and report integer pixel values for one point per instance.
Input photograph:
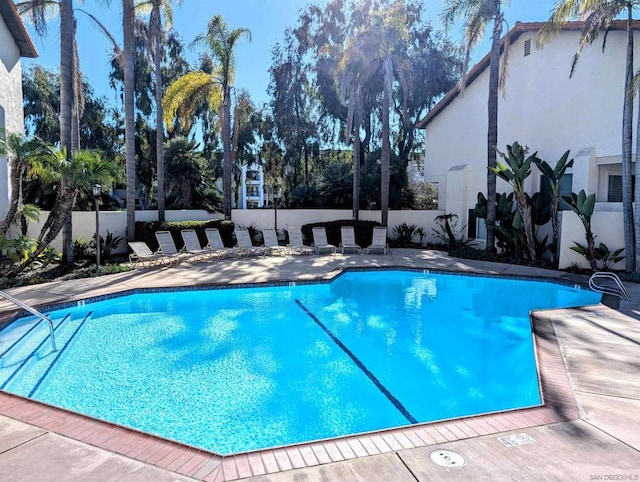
(145, 231)
(362, 229)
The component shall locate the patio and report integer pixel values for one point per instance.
(588, 430)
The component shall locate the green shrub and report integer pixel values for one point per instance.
(403, 234)
(83, 249)
(362, 229)
(145, 231)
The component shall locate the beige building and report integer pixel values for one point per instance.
(14, 44)
(543, 108)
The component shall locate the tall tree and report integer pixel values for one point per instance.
(128, 15)
(598, 15)
(159, 9)
(477, 15)
(39, 11)
(184, 95)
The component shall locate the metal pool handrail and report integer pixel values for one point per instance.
(617, 290)
(35, 313)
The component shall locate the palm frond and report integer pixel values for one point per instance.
(39, 13)
(185, 94)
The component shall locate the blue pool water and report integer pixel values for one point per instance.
(232, 370)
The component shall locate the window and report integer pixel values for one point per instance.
(566, 184)
(253, 175)
(527, 47)
(614, 189)
(253, 191)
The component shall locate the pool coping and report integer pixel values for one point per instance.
(558, 405)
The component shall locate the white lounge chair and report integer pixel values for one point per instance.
(141, 254)
(320, 240)
(192, 245)
(296, 244)
(215, 243)
(379, 240)
(243, 239)
(271, 242)
(167, 247)
(348, 239)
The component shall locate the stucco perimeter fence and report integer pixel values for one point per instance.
(607, 228)
(606, 225)
(84, 222)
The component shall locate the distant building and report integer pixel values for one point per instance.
(253, 194)
(544, 109)
(14, 44)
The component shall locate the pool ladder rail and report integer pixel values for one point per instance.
(33, 312)
(609, 285)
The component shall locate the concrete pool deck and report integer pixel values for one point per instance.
(588, 430)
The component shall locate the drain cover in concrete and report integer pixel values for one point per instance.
(517, 439)
(447, 458)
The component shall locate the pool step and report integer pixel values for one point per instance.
(22, 337)
(32, 359)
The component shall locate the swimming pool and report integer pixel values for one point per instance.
(241, 369)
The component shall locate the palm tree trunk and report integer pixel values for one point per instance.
(492, 132)
(16, 177)
(129, 126)
(60, 212)
(66, 110)
(627, 134)
(157, 59)
(356, 153)
(386, 143)
(226, 150)
(77, 89)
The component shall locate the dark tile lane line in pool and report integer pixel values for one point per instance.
(60, 352)
(385, 391)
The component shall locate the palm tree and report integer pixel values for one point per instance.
(128, 15)
(158, 9)
(186, 93)
(598, 16)
(385, 39)
(38, 12)
(477, 15)
(80, 171)
(19, 151)
(354, 69)
(553, 175)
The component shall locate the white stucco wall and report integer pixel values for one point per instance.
(84, 222)
(543, 108)
(11, 113)
(606, 226)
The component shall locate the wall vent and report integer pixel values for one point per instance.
(527, 47)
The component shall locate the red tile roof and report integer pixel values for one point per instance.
(12, 19)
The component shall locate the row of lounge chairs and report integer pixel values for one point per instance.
(168, 253)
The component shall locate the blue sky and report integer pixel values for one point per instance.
(267, 20)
